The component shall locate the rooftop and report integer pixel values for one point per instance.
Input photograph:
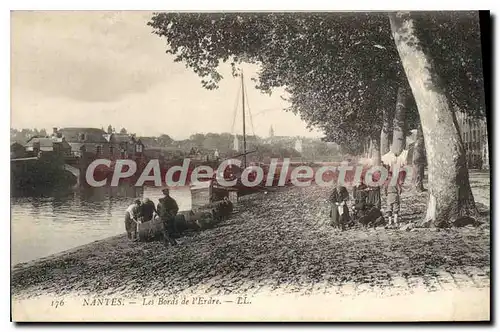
(44, 141)
(92, 135)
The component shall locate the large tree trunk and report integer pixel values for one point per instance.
(399, 125)
(419, 159)
(375, 151)
(385, 133)
(485, 152)
(370, 149)
(450, 195)
(365, 149)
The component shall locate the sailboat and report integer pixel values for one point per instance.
(233, 172)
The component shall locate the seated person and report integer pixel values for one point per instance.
(366, 210)
(372, 217)
(339, 213)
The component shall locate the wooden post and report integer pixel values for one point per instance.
(244, 129)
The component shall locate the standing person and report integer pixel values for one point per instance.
(393, 192)
(343, 207)
(148, 210)
(132, 215)
(360, 192)
(167, 209)
(333, 207)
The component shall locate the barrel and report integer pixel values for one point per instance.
(203, 218)
(153, 230)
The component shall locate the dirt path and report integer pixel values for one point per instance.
(480, 182)
(278, 243)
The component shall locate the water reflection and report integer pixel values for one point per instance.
(44, 225)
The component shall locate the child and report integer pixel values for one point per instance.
(373, 217)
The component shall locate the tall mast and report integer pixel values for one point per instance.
(244, 130)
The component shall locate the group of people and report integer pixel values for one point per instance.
(172, 223)
(145, 211)
(367, 206)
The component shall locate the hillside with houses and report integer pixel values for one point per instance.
(98, 143)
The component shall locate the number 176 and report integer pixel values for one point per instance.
(57, 304)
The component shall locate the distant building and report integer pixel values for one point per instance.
(298, 145)
(124, 146)
(195, 154)
(58, 145)
(271, 132)
(151, 143)
(85, 141)
(236, 143)
(251, 141)
(17, 150)
(97, 143)
(475, 138)
(284, 141)
(333, 145)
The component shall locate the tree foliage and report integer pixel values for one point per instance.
(309, 54)
(340, 70)
(453, 39)
(21, 136)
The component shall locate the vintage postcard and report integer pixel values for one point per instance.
(249, 166)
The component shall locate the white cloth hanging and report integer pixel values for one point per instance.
(392, 160)
(340, 208)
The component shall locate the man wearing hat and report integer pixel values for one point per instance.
(167, 209)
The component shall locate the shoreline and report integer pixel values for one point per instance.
(277, 243)
(108, 240)
(112, 238)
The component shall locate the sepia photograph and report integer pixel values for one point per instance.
(250, 166)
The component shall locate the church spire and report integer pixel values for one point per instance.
(271, 132)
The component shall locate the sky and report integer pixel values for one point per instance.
(95, 68)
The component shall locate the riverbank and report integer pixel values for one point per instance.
(277, 243)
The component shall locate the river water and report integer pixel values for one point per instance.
(41, 226)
